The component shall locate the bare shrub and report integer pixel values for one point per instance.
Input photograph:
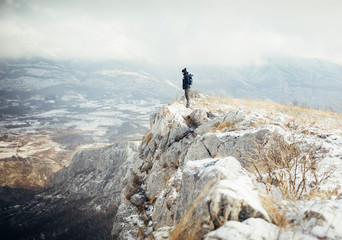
(289, 167)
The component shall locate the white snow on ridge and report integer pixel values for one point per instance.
(97, 125)
(38, 72)
(90, 104)
(313, 217)
(53, 113)
(115, 73)
(78, 97)
(106, 113)
(252, 228)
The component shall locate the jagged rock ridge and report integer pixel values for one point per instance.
(191, 175)
(188, 178)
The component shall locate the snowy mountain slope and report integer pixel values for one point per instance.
(201, 191)
(68, 106)
(192, 177)
(75, 104)
(74, 90)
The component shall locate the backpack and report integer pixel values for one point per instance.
(190, 79)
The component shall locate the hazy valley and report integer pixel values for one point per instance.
(49, 110)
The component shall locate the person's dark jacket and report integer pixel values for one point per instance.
(186, 81)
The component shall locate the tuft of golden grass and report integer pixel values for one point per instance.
(226, 104)
(274, 211)
(224, 125)
(189, 228)
(148, 138)
(323, 195)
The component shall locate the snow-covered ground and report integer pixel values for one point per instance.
(318, 212)
(219, 140)
(52, 109)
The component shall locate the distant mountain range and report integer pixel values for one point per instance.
(311, 82)
(79, 93)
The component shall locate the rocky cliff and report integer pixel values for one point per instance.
(202, 173)
(82, 201)
(215, 171)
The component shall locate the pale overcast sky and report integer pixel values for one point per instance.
(201, 32)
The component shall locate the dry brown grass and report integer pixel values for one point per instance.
(323, 195)
(224, 125)
(309, 116)
(301, 114)
(275, 212)
(278, 211)
(189, 228)
(147, 138)
(236, 102)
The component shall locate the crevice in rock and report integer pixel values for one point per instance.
(167, 141)
(207, 150)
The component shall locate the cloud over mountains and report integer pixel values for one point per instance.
(169, 32)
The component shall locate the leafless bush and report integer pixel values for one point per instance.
(290, 167)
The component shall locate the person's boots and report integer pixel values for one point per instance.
(188, 103)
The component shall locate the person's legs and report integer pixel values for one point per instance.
(187, 97)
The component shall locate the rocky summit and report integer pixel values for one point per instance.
(222, 169)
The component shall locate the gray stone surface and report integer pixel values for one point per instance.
(198, 116)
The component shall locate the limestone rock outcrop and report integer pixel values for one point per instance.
(189, 178)
(187, 172)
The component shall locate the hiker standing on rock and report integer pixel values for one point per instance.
(187, 81)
